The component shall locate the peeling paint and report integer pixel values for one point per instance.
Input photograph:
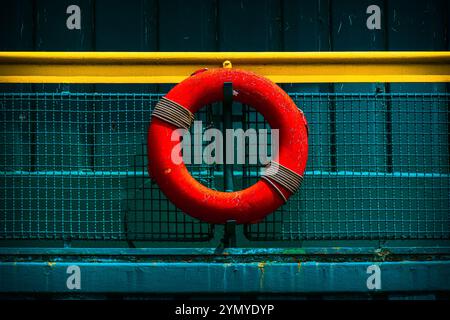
(261, 275)
(294, 251)
(382, 253)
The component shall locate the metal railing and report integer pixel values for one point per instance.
(173, 67)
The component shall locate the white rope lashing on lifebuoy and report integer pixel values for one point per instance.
(276, 172)
(173, 113)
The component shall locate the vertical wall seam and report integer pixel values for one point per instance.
(388, 101)
(282, 42)
(33, 109)
(331, 100)
(447, 46)
(217, 23)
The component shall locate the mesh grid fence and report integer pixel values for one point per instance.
(74, 166)
(378, 168)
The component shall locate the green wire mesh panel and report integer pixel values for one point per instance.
(74, 166)
(378, 168)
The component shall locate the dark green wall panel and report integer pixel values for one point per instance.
(246, 25)
(349, 30)
(249, 25)
(187, 26)
(125, 25)
(16, 25)
(306, 25)
(417, 25)
(52, 33)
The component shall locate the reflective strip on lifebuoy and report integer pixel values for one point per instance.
(255, 202)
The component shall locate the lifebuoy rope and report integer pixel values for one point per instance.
(173, 113)
(276, 172)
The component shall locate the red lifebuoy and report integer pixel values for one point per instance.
(255, 202)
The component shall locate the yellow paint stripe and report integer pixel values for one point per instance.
(173, 67)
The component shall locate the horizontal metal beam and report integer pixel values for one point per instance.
(77, 173)
(173, 67)
(123, 253)
(211, 277)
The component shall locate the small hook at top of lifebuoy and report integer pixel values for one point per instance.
(227, 64)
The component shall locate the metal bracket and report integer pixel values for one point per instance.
(229, 235)
(227, 124)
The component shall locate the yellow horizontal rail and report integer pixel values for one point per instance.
(173, 67)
